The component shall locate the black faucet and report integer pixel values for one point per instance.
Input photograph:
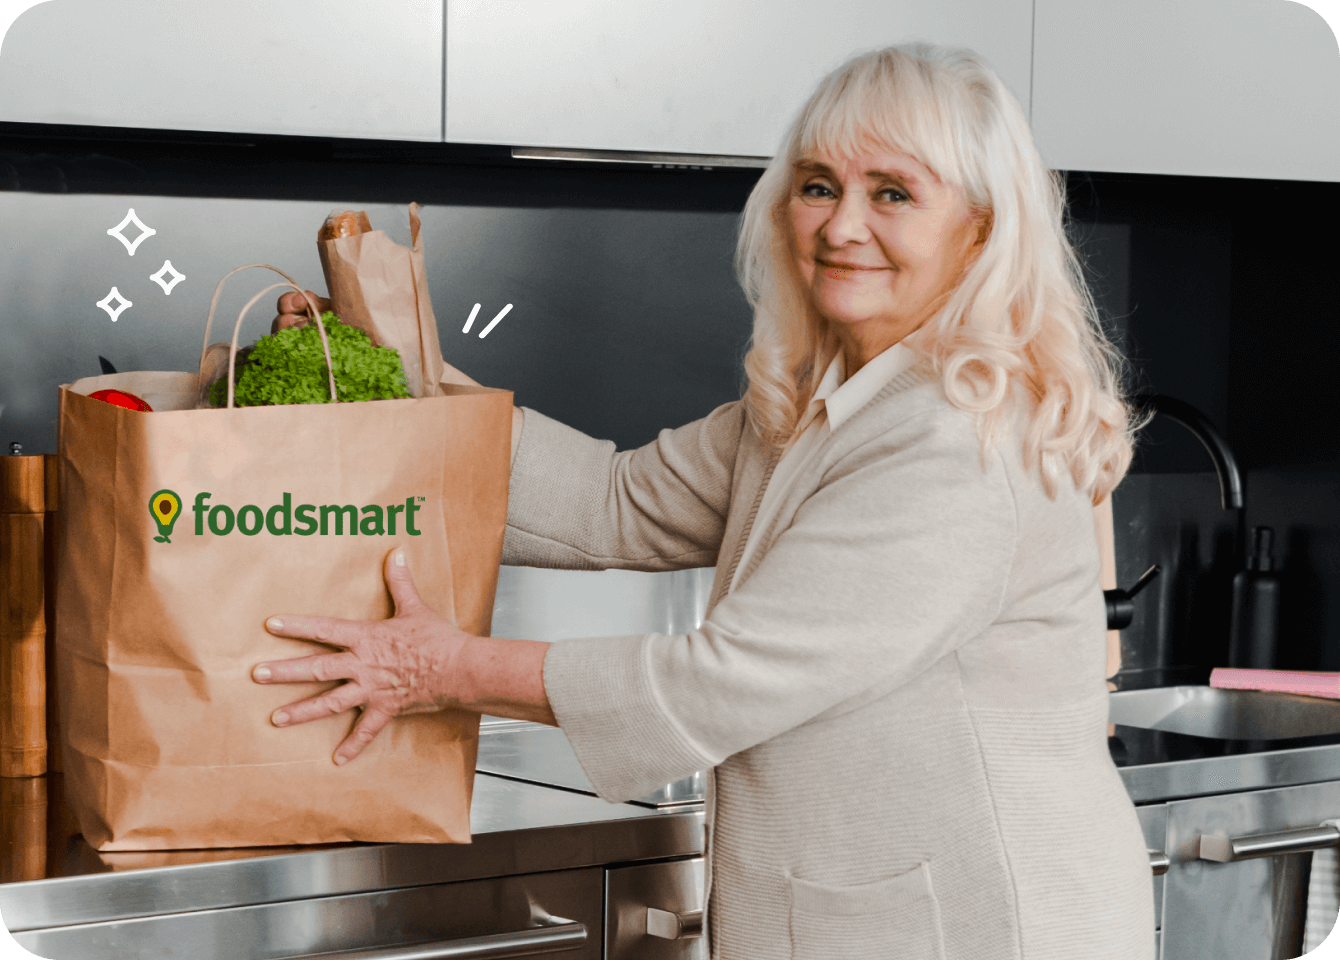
(1230, 478)
(1120, 608)
(1121, 603)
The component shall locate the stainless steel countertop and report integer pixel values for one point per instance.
(518, 828)
(531, 753)
(1182, 779)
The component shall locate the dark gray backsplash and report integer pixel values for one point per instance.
(1180, 628)
(623, 321)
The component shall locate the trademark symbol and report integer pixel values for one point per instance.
(420, 499)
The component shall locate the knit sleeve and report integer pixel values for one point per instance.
(899, 556)
(576, 503)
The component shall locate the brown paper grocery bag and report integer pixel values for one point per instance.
(261, 510)
(381, 287)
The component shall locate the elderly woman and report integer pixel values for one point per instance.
(899, 682)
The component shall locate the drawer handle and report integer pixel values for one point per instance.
(552, 935)
(1230, 849)
(1158, 862)
(674, 926)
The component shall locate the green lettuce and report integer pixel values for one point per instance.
(290, 367)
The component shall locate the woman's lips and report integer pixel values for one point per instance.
(843, 271)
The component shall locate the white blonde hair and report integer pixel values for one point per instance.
(1018, 340)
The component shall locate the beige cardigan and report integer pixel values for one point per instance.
(903, 698)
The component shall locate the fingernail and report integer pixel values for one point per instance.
(340, 760)
(400, 558)
(261, 673)
(279, 717)
(274, 623)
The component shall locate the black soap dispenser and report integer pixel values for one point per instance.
(1256, 606)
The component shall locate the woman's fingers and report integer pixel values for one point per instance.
(327, 630)
(401, 583)
(335, 700)
(293, 310)
(319, 668)
(286, 320)
(295, 302)
(371, 723)
(391, 664)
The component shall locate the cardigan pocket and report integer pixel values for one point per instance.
(896, 917)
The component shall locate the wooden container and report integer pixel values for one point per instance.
(52, 463)
(23, 630)
(23, 829)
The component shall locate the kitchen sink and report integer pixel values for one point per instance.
(1225, 714)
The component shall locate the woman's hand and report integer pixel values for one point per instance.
(293, 310)
(415, 662)
(398, 666)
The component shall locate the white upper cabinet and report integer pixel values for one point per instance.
(1229, 88)
(341, 68)
(691, 76)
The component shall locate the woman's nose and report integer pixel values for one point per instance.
(848, 222)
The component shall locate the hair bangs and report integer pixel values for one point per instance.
(885, 102)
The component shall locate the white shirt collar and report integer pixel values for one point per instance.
(842, 397)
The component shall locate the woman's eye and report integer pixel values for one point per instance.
(892, 195)
(816, 190)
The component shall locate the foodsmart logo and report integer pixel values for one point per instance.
(164, 505)
(283, 519)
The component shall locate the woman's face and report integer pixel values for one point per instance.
(879, 242)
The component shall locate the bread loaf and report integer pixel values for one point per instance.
(344, 223)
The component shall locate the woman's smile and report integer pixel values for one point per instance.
(847, 271)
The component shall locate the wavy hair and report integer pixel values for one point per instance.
(1018, 340)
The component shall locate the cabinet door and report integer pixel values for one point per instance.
(343, 68)
(1248, 908)
(547, 915)
(1229, 88)
(695, 76)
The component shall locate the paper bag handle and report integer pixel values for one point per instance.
(232, 353)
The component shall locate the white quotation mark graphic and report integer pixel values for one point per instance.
(122, 304)
(492, 323)
(167, 269)
(147, 231)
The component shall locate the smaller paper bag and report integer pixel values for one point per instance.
(381, 287)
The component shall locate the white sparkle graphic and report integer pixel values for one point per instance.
(167, 269)
(492, 323)
(147, 231)
(471, 321)
(122, 304)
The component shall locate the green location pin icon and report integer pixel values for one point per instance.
(165, 505)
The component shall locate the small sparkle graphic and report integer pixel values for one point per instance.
(167, 270)
(494, 322)
(147, 231)
(122, 304)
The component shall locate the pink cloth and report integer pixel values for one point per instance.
(1306, 682)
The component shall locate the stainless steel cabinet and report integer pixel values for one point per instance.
(654, 911)
(342, 68)
(538, 915)
(1249, 909)
(1229, 88)
(696, 76)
